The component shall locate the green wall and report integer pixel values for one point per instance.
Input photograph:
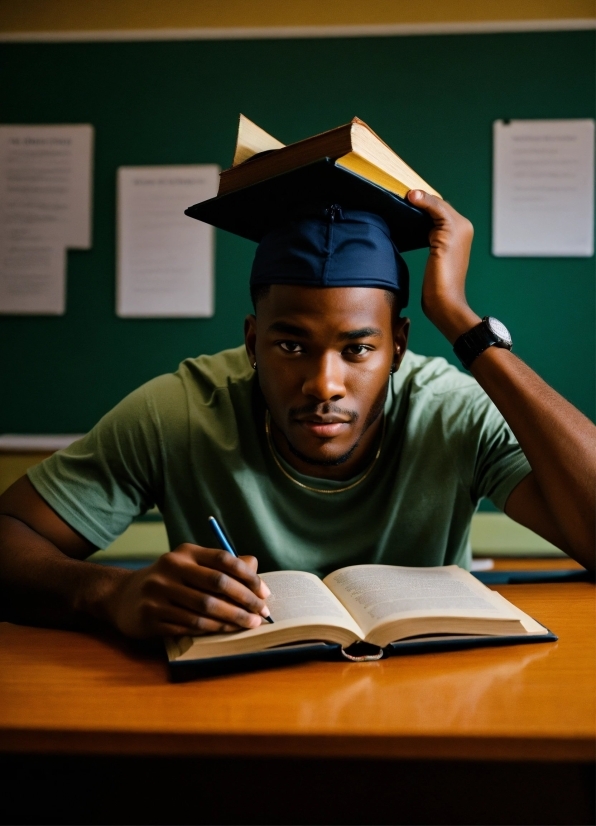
(431, 98)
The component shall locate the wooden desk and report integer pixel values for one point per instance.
(68, 692)
(503, 735)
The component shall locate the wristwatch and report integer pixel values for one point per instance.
(471, 344)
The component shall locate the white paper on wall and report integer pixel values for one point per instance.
(45, 207)
(32, 275)
(165, 260)
(45, 180)
(543, 188)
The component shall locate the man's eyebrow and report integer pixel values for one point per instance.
(288, 329)
(300, 332)
(365, 332)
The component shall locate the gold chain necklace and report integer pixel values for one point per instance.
(308, 487)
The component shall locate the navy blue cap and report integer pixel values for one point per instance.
(332, 247)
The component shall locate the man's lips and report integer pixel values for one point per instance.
(324, 427)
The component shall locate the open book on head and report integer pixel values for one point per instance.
(353, 146)
(377, 604)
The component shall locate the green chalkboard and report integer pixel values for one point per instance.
(432, 98)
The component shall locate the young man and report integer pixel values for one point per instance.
(329, 445)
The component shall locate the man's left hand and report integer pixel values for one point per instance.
(443, 291)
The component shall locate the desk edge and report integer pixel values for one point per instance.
(539, 749)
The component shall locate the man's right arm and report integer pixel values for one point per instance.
(44, 579)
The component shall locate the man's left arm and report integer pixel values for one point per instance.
(558, 498)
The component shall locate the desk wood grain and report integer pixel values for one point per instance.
(68, 692)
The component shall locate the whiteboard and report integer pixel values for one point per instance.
(543, 188)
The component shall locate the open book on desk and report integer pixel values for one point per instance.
(385, 606)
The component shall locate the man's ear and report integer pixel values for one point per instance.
(401, 333)
(250, 338)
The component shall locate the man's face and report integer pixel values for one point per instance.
(324, 356)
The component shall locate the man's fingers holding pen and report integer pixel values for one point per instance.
(170, 619)
(216, 584)
(243, 568)
(194, 590)
(219, 607)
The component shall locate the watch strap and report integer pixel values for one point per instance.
(471, 344)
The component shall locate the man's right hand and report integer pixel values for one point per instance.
(191, 590)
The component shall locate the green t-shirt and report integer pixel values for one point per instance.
(193, 443)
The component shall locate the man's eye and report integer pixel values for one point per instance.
(290, 346)
(357, 349)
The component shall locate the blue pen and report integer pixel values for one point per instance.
(225, 543)
(221, 537)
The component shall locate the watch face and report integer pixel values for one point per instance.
(498, 329)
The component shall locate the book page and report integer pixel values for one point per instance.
(374, 594)
(302, 608)
(251, 140)
(374, 150)
(296, 595)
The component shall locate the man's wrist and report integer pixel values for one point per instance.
(97, 594)
(455, 321)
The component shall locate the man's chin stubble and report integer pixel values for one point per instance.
(322, 462)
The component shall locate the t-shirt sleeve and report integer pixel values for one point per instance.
(114, 473)
(500, 464)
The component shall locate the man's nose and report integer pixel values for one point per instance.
(325, 378)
